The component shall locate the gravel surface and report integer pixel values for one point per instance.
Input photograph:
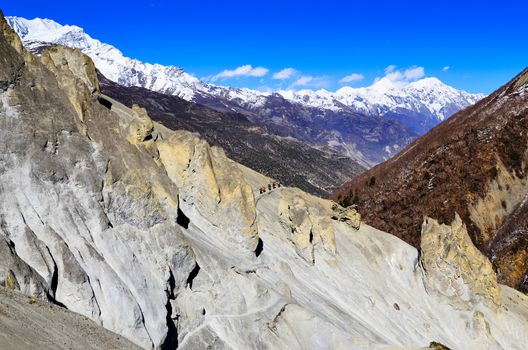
(27, 324)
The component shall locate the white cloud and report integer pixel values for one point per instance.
(245, 70)
(445, 69)
(352, 77)
(390, 68)
(302, 81)
(265, 88)
(414, 73)
(398, 78)
(318, 82)
(284, 74)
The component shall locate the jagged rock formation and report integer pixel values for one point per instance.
(473, 164)
(157, 236)
(350, 215)
(291, 162)
(457, 268)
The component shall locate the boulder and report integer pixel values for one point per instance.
(349, 215)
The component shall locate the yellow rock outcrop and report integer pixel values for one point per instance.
(310, 222)
(454, 267)
(213, 185)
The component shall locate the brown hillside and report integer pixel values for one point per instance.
(474, 163)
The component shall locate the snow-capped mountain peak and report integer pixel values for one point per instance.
(108, 59)
(36, 27)
(384, 85)
(426, 101)
(43, 30)
(428, 96)
(429, 82)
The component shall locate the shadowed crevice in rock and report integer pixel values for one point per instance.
(54, 283)
(172, 285)
(182, 220)
(438, 346)
(56, 302)
(192, 275)
(260, 247)
(171, 340)
(54, 280)
(273, 324)
(104, 102)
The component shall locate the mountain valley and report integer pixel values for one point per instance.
(142, 207)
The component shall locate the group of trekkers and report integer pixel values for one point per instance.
(271, 186)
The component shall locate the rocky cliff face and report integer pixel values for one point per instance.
(159, 237)
(457, 268)
(473, 164)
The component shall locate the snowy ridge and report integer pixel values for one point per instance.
(109, 60)
(428, 98)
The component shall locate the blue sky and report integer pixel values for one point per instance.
(472, 45)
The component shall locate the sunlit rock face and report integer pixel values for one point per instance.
(164, 240)
(455, 267)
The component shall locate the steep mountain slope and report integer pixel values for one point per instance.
(474, 164)
(159, 237)
(418, 107)
(291, 162)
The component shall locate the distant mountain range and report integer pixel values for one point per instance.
(428, 97)
(420, 105)
(286, 159)
(368, 125)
